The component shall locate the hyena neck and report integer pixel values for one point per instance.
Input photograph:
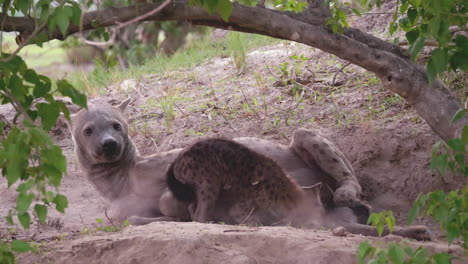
(111, 180)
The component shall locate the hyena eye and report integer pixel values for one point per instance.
(117, 127)
(88, 131)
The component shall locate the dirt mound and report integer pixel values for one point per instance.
(210, 243)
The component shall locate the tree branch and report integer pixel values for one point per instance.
(386, 60)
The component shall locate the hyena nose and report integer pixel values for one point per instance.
(109, 145)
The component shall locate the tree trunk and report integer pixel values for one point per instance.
(434, 103)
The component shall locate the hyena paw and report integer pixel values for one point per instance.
(346, 195)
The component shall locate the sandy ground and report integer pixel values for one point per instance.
(210, 243)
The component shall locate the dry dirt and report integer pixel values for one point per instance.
(388, 145)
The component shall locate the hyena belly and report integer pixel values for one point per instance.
(225, 181)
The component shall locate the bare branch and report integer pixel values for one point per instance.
(386, 60)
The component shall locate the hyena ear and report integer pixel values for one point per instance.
(62, 118)
(123, 105)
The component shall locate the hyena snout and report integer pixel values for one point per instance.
(110, 147)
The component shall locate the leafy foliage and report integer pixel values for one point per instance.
(432, 19)
(449, 209)
(290, 5)
(6, 254)
(27, 154)
(398, 253)
(338, 19)
(223, 7)
(452, 155)
(379, 220)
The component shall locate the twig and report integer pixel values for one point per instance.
(81, 219)
(227, 121)
(251, 211)
(22, 44)
(108, 218)
(269, 70)
(365, 158)
(183, 113)
(239, 230)
(340, 70)
(246, 100)
(150, 13)
(156, 145)
(145, 116)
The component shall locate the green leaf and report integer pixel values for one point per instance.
(380, 228)
(63, 17)
(41, 212)
(442, 258)
(364, 250)
(31, 76)
(224, 8)
(390, 220)
(54, 176)
(9, 218)
(412, 35)
(24, 219)
(456, 144)
(464, 136)
(396, 254)
(431, 71)
(452, 232)
(355, 11)
(23, 201)
(434, 26)
(416, 47)
(65, 88)
(393, 28)
(412, 15)
(20, 246)
(210, 5)
(39, 136)
(61, 203)
(415, 3)
(440, 163)
(413, 213)
(53, 156)
(41, 89)
(458, 115)
(403, 9)
(76, 14)
(440, 60)
(22, 5)
(48, 113)
(99, 220)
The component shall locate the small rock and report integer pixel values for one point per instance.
(339, 231)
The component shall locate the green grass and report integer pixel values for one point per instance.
(195, 54)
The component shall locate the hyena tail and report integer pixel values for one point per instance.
(182, 192)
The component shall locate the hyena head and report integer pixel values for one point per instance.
(100, 134)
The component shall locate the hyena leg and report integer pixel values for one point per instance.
(170, 206)
(414, 232)
(207, 196)
(313, 148)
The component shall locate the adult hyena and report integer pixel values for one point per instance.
(222, 180)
